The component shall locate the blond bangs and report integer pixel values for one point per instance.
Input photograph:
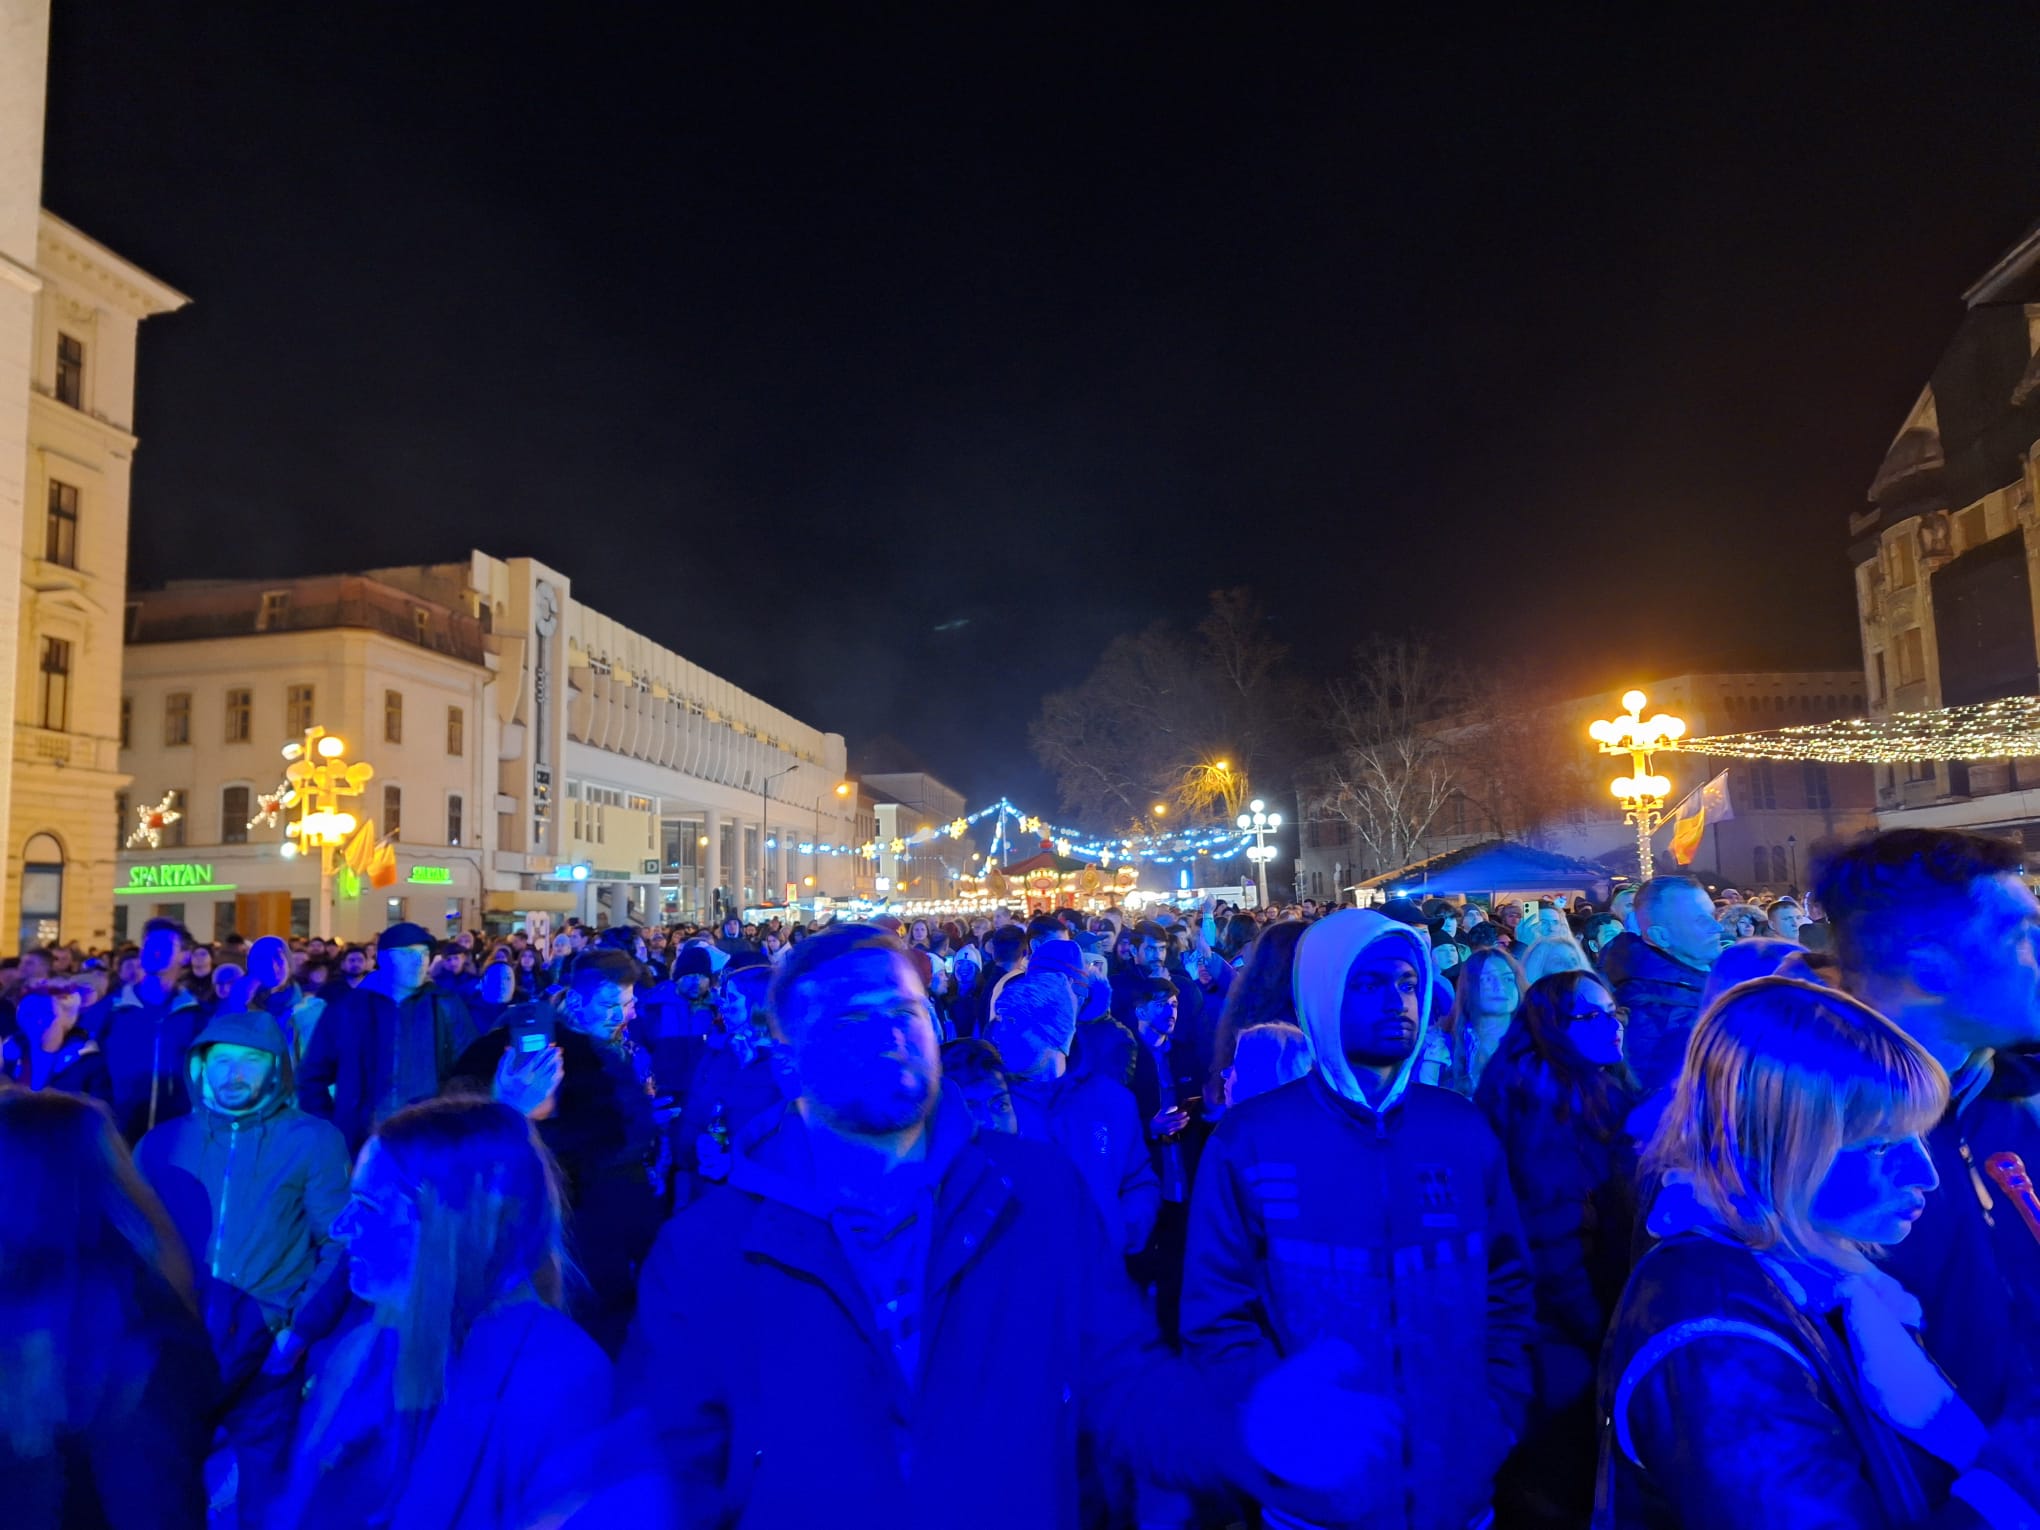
(1781, 1075)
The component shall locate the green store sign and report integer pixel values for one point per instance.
(438, 875)
(172, 876)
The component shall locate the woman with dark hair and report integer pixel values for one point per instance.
(1557, 1093)
(107, 1382)
(469, 1399)
(1261, 995)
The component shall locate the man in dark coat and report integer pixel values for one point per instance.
(1358, 1203)
(594, 1115)
(145, 1030)
(382, 1046)
(1937, 930)
(1663, 975)
(880, 1294)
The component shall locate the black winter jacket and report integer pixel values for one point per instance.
(1663, 999)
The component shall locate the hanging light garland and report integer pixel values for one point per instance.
(1222, 843)
(1988, 730)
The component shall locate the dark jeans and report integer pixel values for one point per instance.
(1158, 1268)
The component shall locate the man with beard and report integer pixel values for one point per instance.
(879, 1294)
(1361, 1204)
(253, 1184)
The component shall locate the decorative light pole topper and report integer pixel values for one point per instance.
(1642, 792)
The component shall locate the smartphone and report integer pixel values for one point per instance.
(531, 1029)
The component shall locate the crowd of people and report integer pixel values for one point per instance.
(1686, 1210)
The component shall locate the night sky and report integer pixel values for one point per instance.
(889, 369)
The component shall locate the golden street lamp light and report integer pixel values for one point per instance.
(1642, 792)
(319, 776)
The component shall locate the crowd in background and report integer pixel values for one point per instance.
(1677, 1210)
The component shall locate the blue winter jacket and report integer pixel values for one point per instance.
(775, 1395)
(1315, 1214)
(145, 1044)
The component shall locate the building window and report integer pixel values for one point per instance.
(392, 809)
(1815, 776)
(1781, 869)
(1763, 786)
(173, 833)
(453, 817)
(393, 717)
(240, 715)
(275, 612)
(421, 626)
(70, 370)
(234, 815)
(297, 709)
(1912, 657)
(1883, 689)
(127, 722)
(1904, 570)
(122, 827)
(56, 683)
(1762, 856)
(60, 539)
(177, 718)
(456, 731)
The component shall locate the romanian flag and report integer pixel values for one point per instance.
(1690, 818)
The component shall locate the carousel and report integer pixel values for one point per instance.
(1049, 879)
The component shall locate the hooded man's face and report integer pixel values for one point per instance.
(237, 1076)
(1378, 1017)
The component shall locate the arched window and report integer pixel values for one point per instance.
(1781, 868)
(42, 891)
(1763, 859)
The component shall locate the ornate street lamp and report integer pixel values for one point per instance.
(1260, 823)
(1642, 793)
(317, 777)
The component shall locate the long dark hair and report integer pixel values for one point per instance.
(1262, 994)
(81, 1238)
(1537, 1063)
(490, 1222)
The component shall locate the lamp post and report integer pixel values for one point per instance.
(319, 776)
(765, 826)
(1260, 823)
(1642, 793)
(842, 790)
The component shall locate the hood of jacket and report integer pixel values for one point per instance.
(258, 1030)
(1324, 956)
(127, 998)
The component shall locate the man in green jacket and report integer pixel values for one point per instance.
(253, 1185)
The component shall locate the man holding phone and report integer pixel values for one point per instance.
(571, 1067)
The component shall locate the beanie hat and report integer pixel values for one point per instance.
(404, 935)
(693, 961)
(1097, 1001)
(742, 960)
(1403, 911)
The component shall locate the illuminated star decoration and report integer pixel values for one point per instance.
(270, 805)
(153, 821)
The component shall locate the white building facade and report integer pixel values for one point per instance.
(534, 757)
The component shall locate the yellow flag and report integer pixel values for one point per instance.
(360, 849)
(1686, 837)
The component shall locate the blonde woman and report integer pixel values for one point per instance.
(1761, 1370)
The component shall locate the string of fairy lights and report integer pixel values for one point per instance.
(1072, 844)
(1987, 730)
